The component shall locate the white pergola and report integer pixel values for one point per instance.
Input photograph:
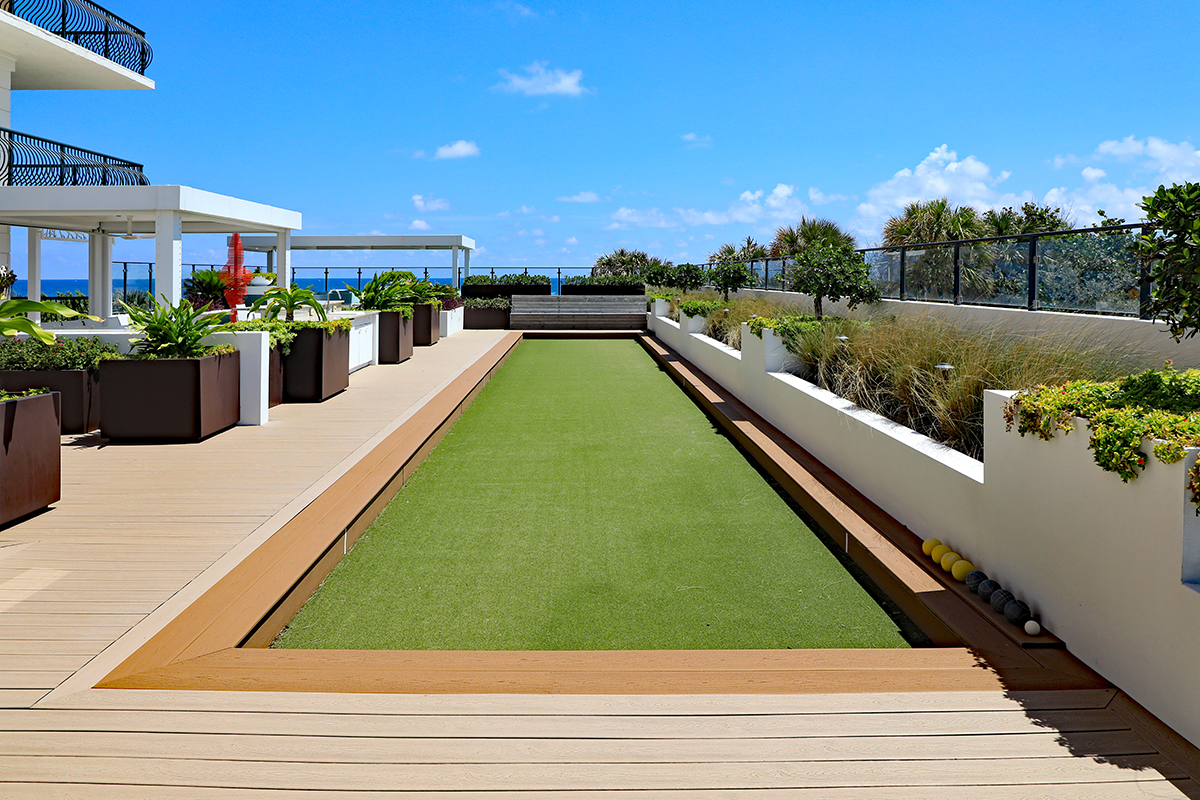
(162, 212)
(270, 246)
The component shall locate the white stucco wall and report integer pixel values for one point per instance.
(1111, 568)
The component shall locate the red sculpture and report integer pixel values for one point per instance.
(235, 276)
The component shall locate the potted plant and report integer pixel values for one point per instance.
(69, 366)
(604, 285)
(426, 304)
(318, 364)
(174, 387)
(281, 337)
(31, 456)
(385, 293)
(486, 313)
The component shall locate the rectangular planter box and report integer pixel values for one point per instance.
(170, 399)
(275, 378)
(318, 366)
(31, 456)
(450, 322)
(80, 390)
(426, 325)
(567, 289)
(504, 289)
(479, 319)
(395, 337)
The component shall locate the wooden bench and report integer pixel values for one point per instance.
(578, 312)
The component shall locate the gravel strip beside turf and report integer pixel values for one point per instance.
(583, 502)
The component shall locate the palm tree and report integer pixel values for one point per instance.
(620, 262)
(926, 221)
(810, 231)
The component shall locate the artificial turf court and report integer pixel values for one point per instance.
(583, 502)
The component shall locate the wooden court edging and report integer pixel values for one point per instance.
(251, 604)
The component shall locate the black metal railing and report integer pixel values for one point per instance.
(27, 160)
(1083, 270)
(90, 26)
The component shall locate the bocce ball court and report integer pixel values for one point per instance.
(579, 524)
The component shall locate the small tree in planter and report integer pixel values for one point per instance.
(834, 272)
(730, 276)
(174, 388)
(688, 277)
(287, 301)
(1170, 247)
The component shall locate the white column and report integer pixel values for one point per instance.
(104, 297)
(93, 272)
(168, 256)
(283, 259)
(454, 269)
(34, 271)
(8, 64)
(467, 263)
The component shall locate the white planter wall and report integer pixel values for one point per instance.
(450, 322)
(1103, 563)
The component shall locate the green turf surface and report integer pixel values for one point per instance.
(583, 502)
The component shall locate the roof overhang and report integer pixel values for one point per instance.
(257, 243)
(47, 61)
(108, 209)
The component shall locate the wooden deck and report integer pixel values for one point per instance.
(142, 532)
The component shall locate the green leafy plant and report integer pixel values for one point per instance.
(523, 279)
(172, 331)
(620, 262)
(699, 308)
(282, 334)
(1162, 405)
(657, 272)
(384, 292)
(730, 276)
(1170, 247)
(13, 319)
(443, 290)
(278, 300)
(420, 293)
(833, 272)
(6, 395)
(330, 326)
(604, 280)
(206, 287)
(84, 352)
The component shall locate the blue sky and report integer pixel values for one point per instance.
(553, 133)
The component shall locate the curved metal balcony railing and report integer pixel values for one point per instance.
(32, 161)
(87, 25)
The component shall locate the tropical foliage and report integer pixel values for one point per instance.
(730, 276)
(808, 232)
(287, 301)
(13, 319)
(835, 272)
(206, 287)
(1170, 248)
(383, 292)
(172, 331)
(81, 352)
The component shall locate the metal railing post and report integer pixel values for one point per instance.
(957, 274)
(360, 281)
(903, 273)
(150, 272)
(327, 283)
(1144, 296)
(125, 281)
(1031, 267)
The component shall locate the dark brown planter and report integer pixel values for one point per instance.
(395, 337)
(318, 366)
(275, 378)
(479, 319)
(31, 456)
(80, 390)
(170, 399)
(504, 289)
(602, 290)
(427, 328)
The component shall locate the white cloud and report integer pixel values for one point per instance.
(517, 10)
(429, 203)
(1091, 174)
(696, 140)
(1060, 161)
(1085, 201)
(552, 218)
(541, 81)
(572, 240)
(649, 218)
(820, 198)
(537, 232)
(583, 197)
(419, 225)
(1171, 162)
(419, 154)
(526, 210)
(751, 208)
(459, 149)
(968, 181)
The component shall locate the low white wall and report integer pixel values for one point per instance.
(364, 338)
(1109, 567)
(1146, 336)
(450, 322)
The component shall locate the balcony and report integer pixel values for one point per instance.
(27, 160)
(88, 25)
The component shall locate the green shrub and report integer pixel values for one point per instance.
(833, 272)
(521, 279)
(700, 308)
(174, 331)
(689, 277)
(64, 353)
(282, 334)
(205, 287)
(6, 395)
(730, 276)
(487, 302)
(603, 280)
(1170, 247)
(330, 326)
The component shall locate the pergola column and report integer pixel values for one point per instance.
(100, 275)
(168, 256)
(34, 270)
(283, 255)
(466, 263)
(454, 268)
